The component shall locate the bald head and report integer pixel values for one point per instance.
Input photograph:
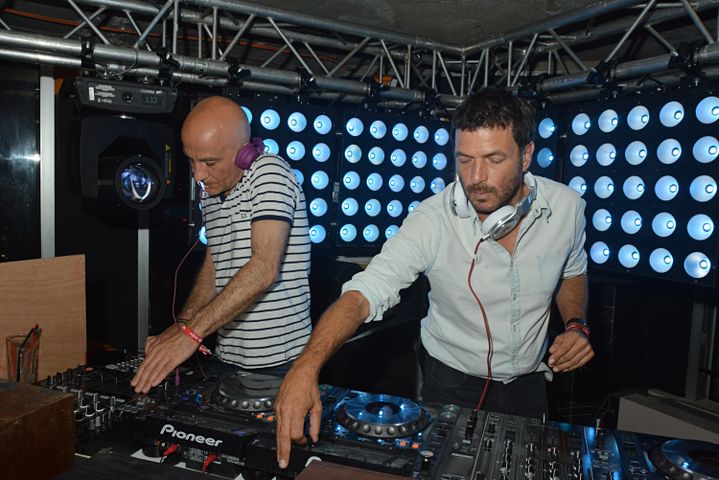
(219, 121)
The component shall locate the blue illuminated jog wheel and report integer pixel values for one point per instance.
(382, 416)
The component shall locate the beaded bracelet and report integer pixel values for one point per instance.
(578, 326)
(191, 333)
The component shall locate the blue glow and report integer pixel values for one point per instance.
(669, 151)
(546, 127)
(354, 126)
(353, 153)
(351, 180)
(631, 222)
(271, 146)
(398, 157)
(374, 181)
(666, 188)
(248, 113)
(603, 187)
(703, 188)
(419, 159)
(319, 179)
(606, 154)
(317, 233)
(608, 121)
(417, 184)
(439, 161)
(391, 231)
(371, 234)
(579, 155)
(628, 256)
(581, 124)
(400, 132)
(700, 227)
(441, 137)
(638, 117)
(705, 149)
(396, 183)
(322, 124)
(635, 152)
(376, 155)
(300, 176)
(599, 252)
(394, 208)
(578, 184)
(421, 134)
(602, 220)
(270, 119)
(203, 235)
(633, 187)
(671, 114)
(697, 265)
(663, 224)
(661, 260)
(318, 207)
(437, 185)
(707, 110)
(297, 122)
(295, 150)
(372, 207)
(378, 129)
(545, 157)
(321, 152)
(412, 206)
(348, 232)
(350, 206)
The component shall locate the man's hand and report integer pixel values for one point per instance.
(298, 395)
(570, 350)
(162, 354)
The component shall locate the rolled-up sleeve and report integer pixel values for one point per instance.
(576, 263)
(403, 257)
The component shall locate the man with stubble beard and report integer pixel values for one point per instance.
(492, 281)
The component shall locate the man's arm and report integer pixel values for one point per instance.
(571, 349)
(299, 392)
(172, 347)
(203, 290)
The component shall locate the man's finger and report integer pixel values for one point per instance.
(315, 419)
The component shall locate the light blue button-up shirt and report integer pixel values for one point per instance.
(516, 290)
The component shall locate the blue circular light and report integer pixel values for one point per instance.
(248, 113)
(297, 122)
(378, 129)
(391, 231)
(441, 137)
(419, 159)
(421, 134)
(271, 146)
(394, 208)
(437, 185)
(370, 233)
(270, 119)
(374, 181)
(295, 150)
(322, 124)
(353, 153)
(412, 206)
(318, 207)
(351, 180)
(417, 184)
(354, 127)
(348, 232)
(400, 132)
(350, 206)
(376, 155)
(317, 234)
(439, 161)
(321, 152)
(396, 183)
(320, 179)
(299, 175)
(372, 207)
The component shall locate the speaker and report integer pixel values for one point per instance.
(503, 220)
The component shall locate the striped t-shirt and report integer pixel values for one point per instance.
(277, 326)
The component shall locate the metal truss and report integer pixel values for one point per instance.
(264, 49)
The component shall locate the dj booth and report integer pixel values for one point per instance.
(197, 424)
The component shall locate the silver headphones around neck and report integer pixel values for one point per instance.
(503, 220)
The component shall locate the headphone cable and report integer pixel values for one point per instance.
(486, 327)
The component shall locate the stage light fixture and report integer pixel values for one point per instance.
(604, 187)
(546, 127)
(599, 252)
(348, 232)
(299, 175)
(354, 127)
(372, 207)
(439, 161)
(202, 234)
(579, 155)
(394, 208)
(669, 151)
(421, 134)
(351, 180)
(297, 122)
(636, 152)
(417, 184)
(353, 153)
(606, 154)
(661, 260)
(707, 110)
(638, 117)
(437, 185)
(608, 121)
(633, 187)
(578, 184)
(441, 137)
(370, 233)
(248, 113)
(398, 157)
(631, 222)
(317, 234)
(374, 181)
(602, 220)
(400, 132)
(697, 265)
(270, 119)
(350, 206)
(318, 207)
(581, 124)
(320, 179)
(703, 188)
(271, 146)
(396, 183)
(700, 227)
(412, 206)
(545, 157)
(321, 152)
(295, 150)
(419, 159)
(664, 224)
(706, 149)
(666, 188)
(378, 129)
(376, 155)
(628, 256)
(322, 124)
(671, 114)
(391, 231)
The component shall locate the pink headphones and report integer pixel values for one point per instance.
(249, 153)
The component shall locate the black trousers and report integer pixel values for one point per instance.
(525, 396)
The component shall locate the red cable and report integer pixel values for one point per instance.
(486, 328)
(208, 461)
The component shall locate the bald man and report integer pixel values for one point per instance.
(252, 288)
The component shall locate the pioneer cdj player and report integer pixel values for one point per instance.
(226, 426)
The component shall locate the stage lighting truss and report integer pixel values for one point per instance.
(647, 171)
(385, 171)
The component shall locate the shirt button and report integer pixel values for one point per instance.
(514, 296)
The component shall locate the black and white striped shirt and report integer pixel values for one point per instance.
(276, 328)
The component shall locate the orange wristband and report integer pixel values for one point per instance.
(191, 333)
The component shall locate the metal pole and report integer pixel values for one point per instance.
(152, 24)
(391, 62)
(214, 33)
(486, 67)
(509, 62)
(47, 164)
(407, 63)
(5, 25)
(630, 30)
(659, 38)
(524, 60)
(80, 25)
(292, 49)
(135, 26)
(446, 73)
(317, 59)
(434, 70)
(175, 26)
(476, 72)
(569, 51)
(461, 83)
(348, 56)
(237, 36)
(698, 22)
(88, 22)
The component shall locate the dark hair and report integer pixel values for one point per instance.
(494, 107)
